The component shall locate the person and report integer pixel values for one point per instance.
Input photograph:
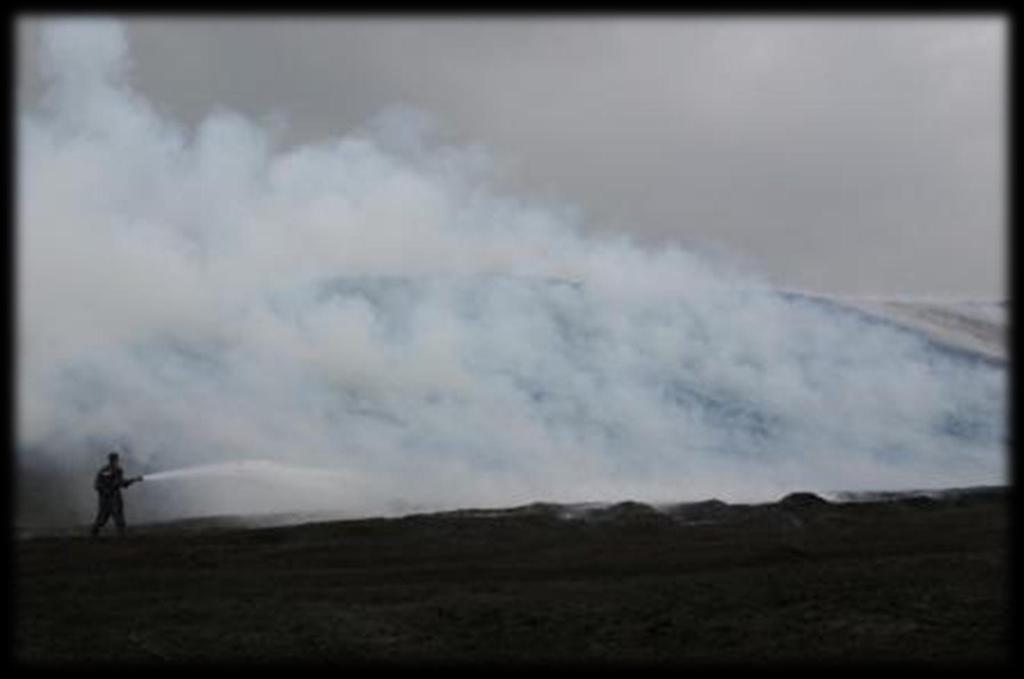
(108, 484)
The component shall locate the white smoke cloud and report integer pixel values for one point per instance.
(366, 305)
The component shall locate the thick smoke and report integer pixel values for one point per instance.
(367, 306)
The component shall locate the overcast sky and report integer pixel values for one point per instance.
(848, 155)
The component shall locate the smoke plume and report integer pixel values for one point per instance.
(369, 308)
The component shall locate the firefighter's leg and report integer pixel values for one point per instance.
(101, 515)
(117, 509)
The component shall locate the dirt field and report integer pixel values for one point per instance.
(792, 583)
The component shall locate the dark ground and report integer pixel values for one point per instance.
(792, 583)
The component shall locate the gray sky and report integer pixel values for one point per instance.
(842, 155)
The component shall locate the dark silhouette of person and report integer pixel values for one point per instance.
(108, 484)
